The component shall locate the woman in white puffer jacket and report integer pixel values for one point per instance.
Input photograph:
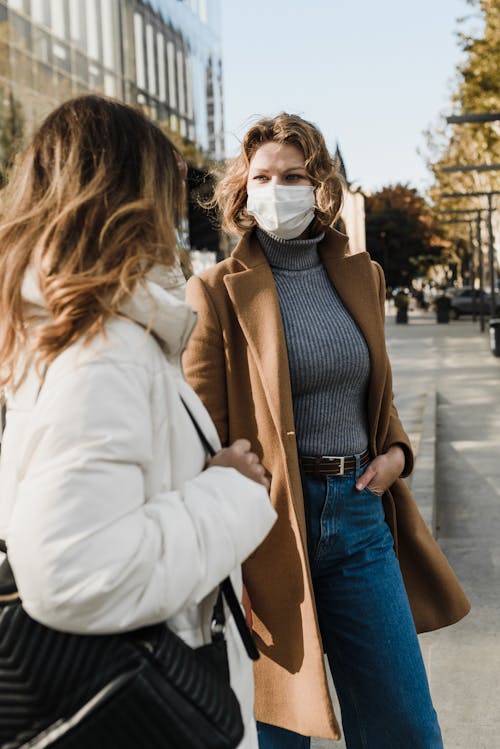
(111, 516)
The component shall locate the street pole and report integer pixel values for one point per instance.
(472, 272)
(491, 252)
(481, 271)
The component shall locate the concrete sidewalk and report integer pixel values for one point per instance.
(447, 389)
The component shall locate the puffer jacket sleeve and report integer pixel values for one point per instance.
(90, 550)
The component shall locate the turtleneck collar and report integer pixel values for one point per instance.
(290, 254)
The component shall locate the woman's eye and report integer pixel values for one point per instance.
(260, 177)
(295, 177)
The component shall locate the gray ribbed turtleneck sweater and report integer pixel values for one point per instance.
(327, 354)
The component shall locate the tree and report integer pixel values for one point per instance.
(401, 234)
(11, 133)
(477, 89)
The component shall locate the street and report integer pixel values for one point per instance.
(447, 386)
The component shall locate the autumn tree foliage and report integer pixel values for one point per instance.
(401, 233)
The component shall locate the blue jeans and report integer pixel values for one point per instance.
(365, 623)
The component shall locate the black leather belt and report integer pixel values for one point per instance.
(331, 465)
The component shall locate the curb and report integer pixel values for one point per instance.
(422, 481)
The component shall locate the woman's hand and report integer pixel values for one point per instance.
(383, 471)
(239, 456)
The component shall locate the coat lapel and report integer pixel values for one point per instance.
(352, 277)
(253, 294)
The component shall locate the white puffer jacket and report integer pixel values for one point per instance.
(110, 520)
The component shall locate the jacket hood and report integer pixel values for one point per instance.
(157, 304)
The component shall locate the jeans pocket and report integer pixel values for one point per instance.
(372, 493)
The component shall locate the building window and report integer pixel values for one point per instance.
(77, 23)
(109, 27)
(96, 77)
(140, 63)
(40, 12)
(61, 56)
(180, 82)
(42, 47)
(189, 87)
(59, 20)
(162, 72)
(80, 68)
(150, 56)
(172, 97)
(93, 26)
(110, 85)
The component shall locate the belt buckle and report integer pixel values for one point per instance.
(341, 460)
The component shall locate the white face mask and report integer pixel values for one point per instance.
(283, 210)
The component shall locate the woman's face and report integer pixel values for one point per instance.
(277, 164)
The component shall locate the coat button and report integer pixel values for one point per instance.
(291, 433)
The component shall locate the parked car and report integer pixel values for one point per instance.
(468, 300)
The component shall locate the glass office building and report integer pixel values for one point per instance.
(178, 67)
(163, 55)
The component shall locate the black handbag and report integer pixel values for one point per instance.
(145, 689)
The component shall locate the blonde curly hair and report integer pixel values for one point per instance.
(230, 195)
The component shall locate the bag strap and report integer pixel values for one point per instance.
(227, 589)
(226, 585)
(201, 434)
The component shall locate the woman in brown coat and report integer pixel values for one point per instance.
(289, 352)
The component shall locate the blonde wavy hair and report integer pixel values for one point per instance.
(230, 195)
(90, 207)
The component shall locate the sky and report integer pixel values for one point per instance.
(373, 75)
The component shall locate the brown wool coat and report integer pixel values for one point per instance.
(237, 362)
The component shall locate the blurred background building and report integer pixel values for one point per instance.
(163, 55)
(352, 220)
